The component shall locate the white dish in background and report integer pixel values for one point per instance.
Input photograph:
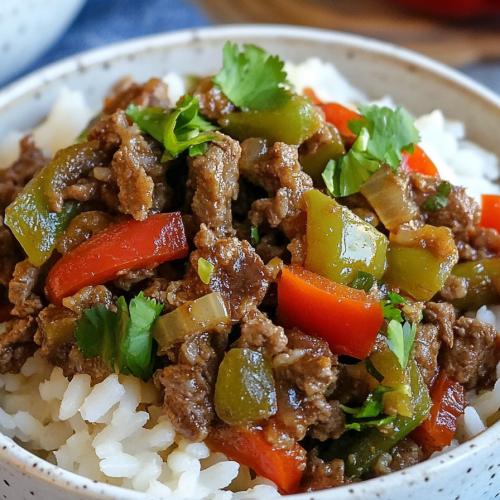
(29, 28)
(468, 472)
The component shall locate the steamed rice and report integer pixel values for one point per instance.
(116, 431)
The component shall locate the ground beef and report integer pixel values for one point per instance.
(82, 190)
(320, 475)
(278, 171)
(10, 254)
(479, 243)
(259, 333)
(13, 179)
(213, 177)
(239, 274)
(426, 347)
(475, 353)
(81, 228)
(455, 287)
(23, 288)
(17, 344)
(129, 278)
(89, 297)
(157, 289)
(405, 454)
(213, 103)
(442, 315)
(152, 93)
(189, 384)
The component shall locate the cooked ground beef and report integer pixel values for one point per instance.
(320, 475)
(403, 455)
(22, 290)
(213, 103)
(426, 347)
(475, 353)
(17, 344)
(10, 254)
(441, 315)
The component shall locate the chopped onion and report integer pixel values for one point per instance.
(197, 316)
(388, 195)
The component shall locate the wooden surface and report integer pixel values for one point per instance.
(453, 43)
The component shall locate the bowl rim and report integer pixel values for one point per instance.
(35, 81)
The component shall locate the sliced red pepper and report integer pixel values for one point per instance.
(340, 116)
(251, 448)
(490, 214)
(309, 92)
(346, 318)
(448, 398)
(127, 245)
(419, 162)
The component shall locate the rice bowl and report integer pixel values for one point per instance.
(357, 490)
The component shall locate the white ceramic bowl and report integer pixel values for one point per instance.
(469, 472)
(28, 28)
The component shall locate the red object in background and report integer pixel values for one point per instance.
(344, 317)
(250, 447)
(340, 116)
(419, 162)
(448, 398)
(454, 9)
(127, 245)
(490, 214)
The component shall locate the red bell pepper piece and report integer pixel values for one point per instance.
(419, 162)
(340, 116)
(251, 448)
(309, 92)
(127, 245)
(448, 398)
(344, 317)
(490, 215)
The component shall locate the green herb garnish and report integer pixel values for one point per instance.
(391, 312)
(205, 270)
(254, 236)
(252, 79)
(364, 281)
(123, 338)
(400, 340)
(179, 129)
(382, 136)
(440, 199)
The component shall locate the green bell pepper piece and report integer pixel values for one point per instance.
(314, 164)
(484, 283)
(32, 217)
(361, 449)
(245, 390)
(339, 243)
(293, 123)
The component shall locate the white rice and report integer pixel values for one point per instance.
(116, 431)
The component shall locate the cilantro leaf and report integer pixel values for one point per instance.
(363, 281)
(123, 338)
(179, 129)
(389, 309)
(359, 426)
(345, 175)
(390, 133)
(205, 270)
(395, 298)
(440, 199)
(252, 79)
(254, 236)
(400, 340)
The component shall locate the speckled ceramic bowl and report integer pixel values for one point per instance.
(470, 472)
(28, 28)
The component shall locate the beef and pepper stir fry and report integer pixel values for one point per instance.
(293, 275)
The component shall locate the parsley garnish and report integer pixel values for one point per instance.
(400, 340)
(252, 79)
(391, 312)
(382, 136)
(440, 199)
(205, 270)
(364, 281)
(123, 338)
(179, 129)
(254, 236)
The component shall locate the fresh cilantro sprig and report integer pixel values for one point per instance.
(123, 338)
(254, 236)
(383, 134)
(365, 281)
(389, 309)
(252, 79)
(179, 129)
(400, 340)
(369, 415)
(440, 199)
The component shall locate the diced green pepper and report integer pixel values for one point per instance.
(314, 164)
(32, 218)
(245, 390)
(484, 283)
(293, 123)
(339, 243)
(360, 450)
